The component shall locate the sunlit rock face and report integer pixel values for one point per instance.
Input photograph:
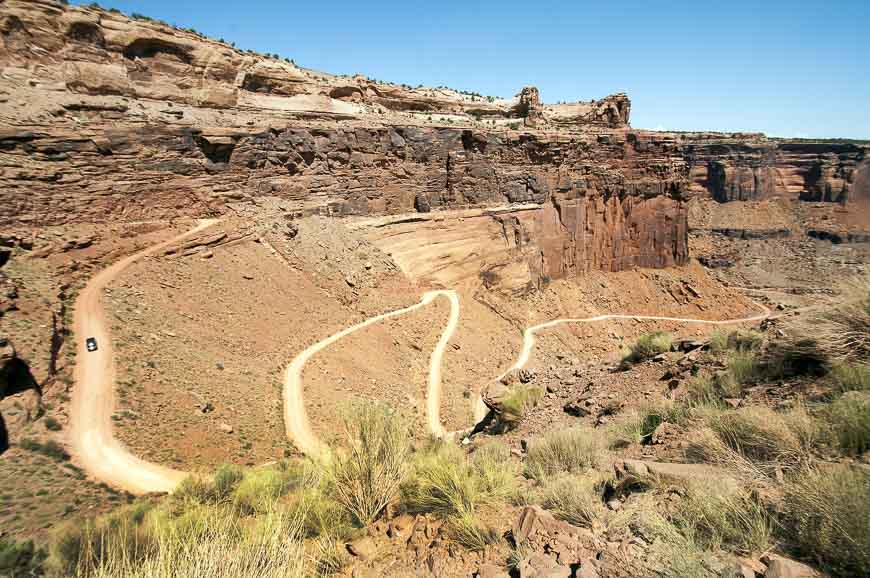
(107, 118)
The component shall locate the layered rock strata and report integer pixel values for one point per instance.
(104, 117)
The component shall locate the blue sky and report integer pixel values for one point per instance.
(788, 68)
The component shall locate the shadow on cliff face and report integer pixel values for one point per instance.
(4, 436)
(15, 377)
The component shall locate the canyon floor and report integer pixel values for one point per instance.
(204, 328)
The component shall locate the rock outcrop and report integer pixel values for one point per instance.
(105, 117)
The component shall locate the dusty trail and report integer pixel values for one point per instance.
(295, 416)
(529, 333)
(480, 409)
(107, 459)
(93, 398)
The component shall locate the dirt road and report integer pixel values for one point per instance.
(480, 409)
(529, 333)
(296, 418)
(93, 399)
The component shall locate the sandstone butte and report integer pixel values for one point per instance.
(108, 118)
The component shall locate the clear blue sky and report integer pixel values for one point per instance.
(787, 68)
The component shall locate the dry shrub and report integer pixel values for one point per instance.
(826, 517)
(849, 419)
(567, 451)
(718, 514)
(442, 482)
(574, 498)
(470, 533)
(850, 377)
(839, 334)
(368, 471)
(764, 437)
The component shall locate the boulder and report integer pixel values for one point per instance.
(781, 567)
(542, 566)
(362, 548)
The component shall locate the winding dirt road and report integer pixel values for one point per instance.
(296, 418)
(93, 398)
(529, 333)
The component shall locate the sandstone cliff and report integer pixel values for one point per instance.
(104, 117)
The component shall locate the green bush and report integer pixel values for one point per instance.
(226, 479)
(50, 448)
(20, 558)
(52, 424)
(259, 491)
(648, 346)
(826, 517)
(194, 489)
(566, 451)
(518, 402)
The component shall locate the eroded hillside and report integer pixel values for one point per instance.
(448, 250)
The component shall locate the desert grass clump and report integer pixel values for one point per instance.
(467, 530)
(702, 390)
(648, 346)
(329, 556)
(516, 404)
(638, 426)
(577, 499)
(259, 490)
(672, 553)
(718, 342)
(826, 517)
(442, 482)
(217, 547)
(742, 366)
(762, 436)
(368, 471)
(850, 377)
(842, 331)
(568, 451)
(719, 514)
(849, 420)
(496, 471)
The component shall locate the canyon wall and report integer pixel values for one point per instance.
(104, 117)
